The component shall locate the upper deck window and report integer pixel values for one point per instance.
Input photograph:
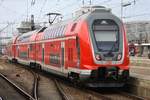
(54, 32)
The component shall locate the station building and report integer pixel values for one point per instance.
(138, 31)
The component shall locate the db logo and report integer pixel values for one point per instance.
(109, 62)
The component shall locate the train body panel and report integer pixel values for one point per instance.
(11, 49)
(92, 47)
(32, 47)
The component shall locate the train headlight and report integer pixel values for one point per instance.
(98, 57)
(119, 56)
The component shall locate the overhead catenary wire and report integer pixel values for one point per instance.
(21, 15)
(72, 5)
(75, 4)
(4, 27)
(64, 7)
(67, 6)
(41, 9)
(102, 2)
(139, 15)
(126, 5)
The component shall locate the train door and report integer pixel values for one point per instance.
(32, 52)
(62, 56)
(72, 53)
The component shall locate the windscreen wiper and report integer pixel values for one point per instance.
(110, 51)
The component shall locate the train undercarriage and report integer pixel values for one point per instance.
(102, 77)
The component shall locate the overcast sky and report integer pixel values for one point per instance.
(16, 10)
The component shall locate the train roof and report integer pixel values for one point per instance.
(59, 29)
(90, 9)
(55, 31)
(30, 36)
(26, 36)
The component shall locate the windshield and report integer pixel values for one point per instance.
(106, 33)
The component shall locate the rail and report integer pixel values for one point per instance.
(21, 91)
(61, 91)
(35, 84)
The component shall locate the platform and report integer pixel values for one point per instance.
(140, 61)
(140, 76)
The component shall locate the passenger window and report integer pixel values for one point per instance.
(73, 27)
(31, 47)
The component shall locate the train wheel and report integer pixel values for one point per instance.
(125, 74)
(38, 66)
(74, 78)
(32, 65)
(14, 61)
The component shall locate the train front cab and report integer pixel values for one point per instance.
(105, 56)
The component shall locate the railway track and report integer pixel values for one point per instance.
(134, 97)
(67, 91)
(17, 88)
(35, 85)
(115, 94)
(61, 91)
(34, 94)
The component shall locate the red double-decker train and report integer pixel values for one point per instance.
(91, 48)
